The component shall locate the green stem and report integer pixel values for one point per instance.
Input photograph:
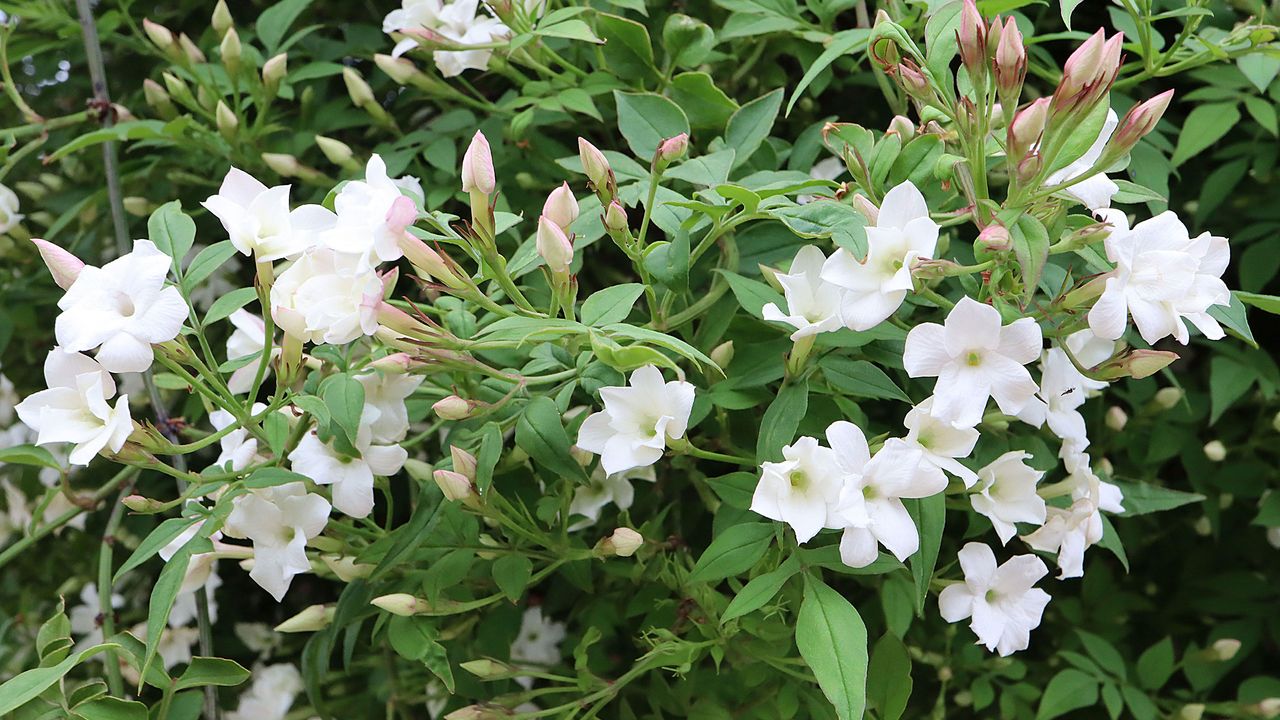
(114, 682)
(109, 487)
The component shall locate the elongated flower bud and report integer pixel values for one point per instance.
(401, 70)
(193, 53)
(464, 463)
(315, 617)
(338, 152)
(455, 486)
(230, 50)
(63, 266)
(615, 217)
(1082, 67)
(359, 91)
(477, 167)
(868, 209)
(902, 127)
(273, 71)
(995, 238)
(1140, 120)
(554, 245)
(221, 20)
(452, 408)
(226, 120)
(596, 166)
(159, 34)
(402, 604)
(158, 98)
(722, 354)
(561, 207)
(973, 41)
(283, 164)
(1026, 128)
(1010, 64)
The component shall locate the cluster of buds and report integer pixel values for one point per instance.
(458, 484)
(554, 238)
(1087, 77)
(602, 182)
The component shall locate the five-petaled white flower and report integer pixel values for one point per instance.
(633, 429)
(802, 490)
(1162, 276)
(327, 297)
(258, 219)
(876, 286)
(271, 695)
(279, 520)
(1006, 494)
(1058, 399)
(239, 447)
(942, 443)
(1003, 602)
(384, 414)
(75, 408)
(870, 503)
(590, 499)
(1095, 191)
(1070, 531)
(351, 477)
(813, 304)
(1090, 351)
(122, 308)
(372, 216)
(974, 358)
(455, 20)
(539, 638)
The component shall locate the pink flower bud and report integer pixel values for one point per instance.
(402, 213)
(1137, 364)
(1139, 121)
(561, 207)
(464, 463)
(427, 261)
(554, 245)
(1026, 128)
(615, 217)
(913, 81)
(1082, 67)
(868, 209)
(995, 238)
(452, 408)
(673, 148)
(596, 166)
(63, 266)
(973, 39)
(1010, 61)
(477, 167)
(454, 485)
(393, 364)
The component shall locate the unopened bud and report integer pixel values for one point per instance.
(672, 149)
(554, 246)
(1117, 418)
(346, 568)
(1225, 649)
(1027, 127)
(452, 408)
(487, 669)
(1082, 67)
(140, 504)
(623, 542)
(273, 71)
(222, 20)
(138, 206)
(63, 266)
(1215, 451)
(159, 34)
(464, 463)
(597, 169)
(315, 617)
(157, 98)
(230, 50)
(722, 354)
(615, 217)
(933, 269)
(1269, 708)
(561, 207)
(1137, 123)
(400, 70)
(402, 604)
(193, 53)
(226, 120)
(902, 127)
(1010, 63)
(1194, 711)
(454, 485)
(995, 238)
(477, 712)
(912, 80)
(1168, 397)
(863, 204)
(477, 167)
(177, 87)
(359, 90)
(973, 41)
(283, 164)
(1275, 422)
(338, 152)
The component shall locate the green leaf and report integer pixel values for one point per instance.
(1067, 8)
(1234, 318)
(164, 533)
(488, 456)
(627, 49)
(275, 21)
(414, 638)
(511, 572)
(687, 40)
(1268, 511)
(707, 170)
(271, 477)
(1156, 665)
(760, 590)
(222, 308)
(860, 378)
(1069, 690)
(752, 295)
(206, 262)
(733, 552)
(211, 671)
(1228, 382)
(662, 340)
(1260, 68)
(611, 305)
(26, 686)
(1082, 137)
(889, 678)
(128, 130)
(930, 515)
(164, 592)
(1144, 498)
(1205, 125)
(173, 232)
(736, 489)
(646, 119)
(705, 104)
(845, 42)
(540, 433)
(28, 455)
(1031, 248)
(407, 537)
(828, 218)
(833, 641)
(570, 30)
(110, 708)
(751, 124)
(343, 396)
(782, 418)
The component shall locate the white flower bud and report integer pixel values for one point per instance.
(1167, 397)
(561, 207)
(1269, 708)
(1117, 418)
(615, 217)
(226, 120)
(402, 604)
(359, 90)
(452, 408)
(315, 617)
(346, 567)
(338, 152)
(722, 354)
(477, 167)
(464, 462)
(283, 164)
(400, 70)
(1215, 451)
(193, 53)
(454, 485)
(159, 34)
(1194, 711)
(1224, 649)
(554, 246)
(274, 70)
(230, 50)
(1203, 527)
(594, 164)
(625, 542)
(222, 20)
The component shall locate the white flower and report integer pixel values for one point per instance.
(271, 695)
(184, 606)
(870, 502)
(351, 477)
(876, 286)
(279, 520)
(974, 358)
(1006, 494)
(122, 308)
(1059, 396)
(247, 339)
(457, 21)
(258, 219)
(1162, 276)
(372, 216)
(327, 297)
(83, 618)
(1070, 531)
(942, 443)
(1094, 192)
(813, 304)
(589, 500)
(75, 409)
(9, 215)
(1091, 351)
(802, 490)
(201, 574)
(538, 641)
(175, 643)
(239, 447)
(1002, 601)
(384, 413)
(1086, 483)
(633, 428)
